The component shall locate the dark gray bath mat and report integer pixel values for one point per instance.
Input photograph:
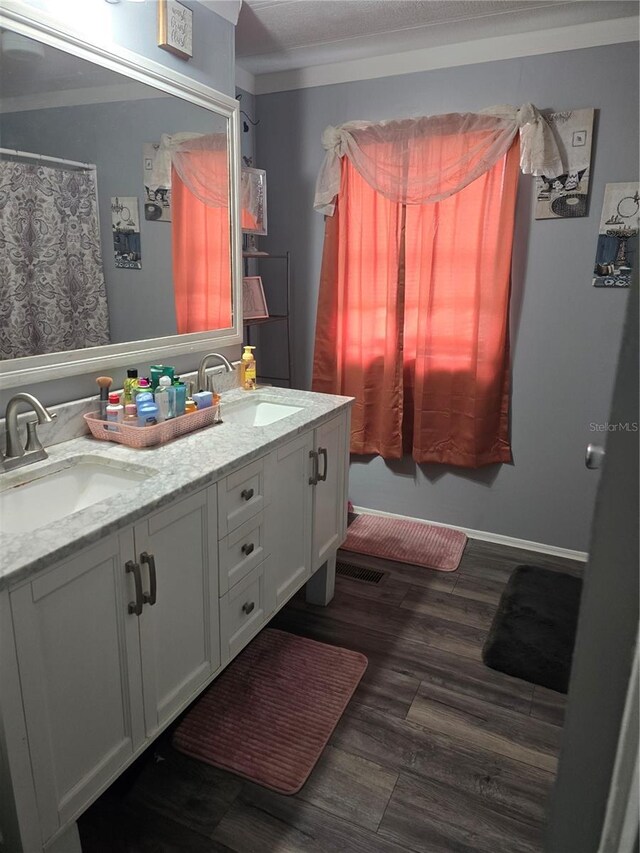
(534, 629)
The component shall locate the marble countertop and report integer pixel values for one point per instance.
(176, 469)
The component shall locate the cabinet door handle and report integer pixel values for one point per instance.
(313, 479)
(135, 606)
(322, 451)
(247, 494)
(248, 606)
(150, 597)
(247, 549)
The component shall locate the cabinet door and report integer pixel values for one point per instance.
(329, 495)
(78, 655)
(179, 630)
(289, 516)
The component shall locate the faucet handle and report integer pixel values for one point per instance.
(33, 442)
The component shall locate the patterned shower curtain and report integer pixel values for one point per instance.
(52, 290)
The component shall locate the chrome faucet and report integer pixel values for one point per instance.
(18, 454)
(202, 370)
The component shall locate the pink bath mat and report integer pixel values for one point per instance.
(271, 712)
(412, 542)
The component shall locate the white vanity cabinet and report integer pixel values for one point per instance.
(308, 513)
(289, 516)
(331, 459)
(179, 623)
(106, 657)
(99, 652)
(284, 517)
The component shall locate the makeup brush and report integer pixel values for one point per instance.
(104, 383)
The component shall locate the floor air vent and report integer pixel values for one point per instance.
(357, 573)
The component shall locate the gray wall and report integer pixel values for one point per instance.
(133, 26)
(248, 137)
(111, 135)
(565, 333)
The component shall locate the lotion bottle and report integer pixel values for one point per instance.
(165, 398)
(248, 369)
(115, 409)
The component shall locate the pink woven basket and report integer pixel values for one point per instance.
(135, 436)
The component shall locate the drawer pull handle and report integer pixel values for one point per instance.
(313, 479)
(247, 549)
(247, 494)
(322, 451)
(150, 597)
(247, 607)
(135, 606)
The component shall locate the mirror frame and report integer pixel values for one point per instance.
(51, 366)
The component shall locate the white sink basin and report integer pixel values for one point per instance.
(257, 411)
(45, 497)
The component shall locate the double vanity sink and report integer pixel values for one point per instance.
(129, 579)
(258, 411)
(44, 493)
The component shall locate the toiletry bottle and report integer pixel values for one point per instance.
(142, 386)
(158, 370)
(248, 369)
(190, 406)
(147, 413)
(129, 384)
(115, 409)
(165, 397)
(181, 397)
(203, 399)
(131, 414)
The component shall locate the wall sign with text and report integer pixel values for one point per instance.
(175, 28)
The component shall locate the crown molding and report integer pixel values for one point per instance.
(556, 40)
(245, 80)
(80, 97)
(227, 9)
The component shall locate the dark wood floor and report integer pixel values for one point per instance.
(434, 753)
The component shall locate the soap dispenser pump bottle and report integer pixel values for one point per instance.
(248, 369)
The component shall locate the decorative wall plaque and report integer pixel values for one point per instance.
(175, 28)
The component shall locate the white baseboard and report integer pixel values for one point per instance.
(498, 538)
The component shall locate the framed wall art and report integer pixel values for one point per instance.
(254, 304)
(157, 202)
(566, 196)
(175, 28)
(616, 253)
(253, 197)
(125, 227)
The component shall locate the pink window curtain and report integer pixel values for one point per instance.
(201, 252)
(413, 317)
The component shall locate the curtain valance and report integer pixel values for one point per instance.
(406, 162)
(200, 161)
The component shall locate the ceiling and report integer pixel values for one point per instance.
(36, 76)
(48, 70)
(281, 35)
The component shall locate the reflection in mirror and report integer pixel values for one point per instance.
(253, 194)
(114, 207)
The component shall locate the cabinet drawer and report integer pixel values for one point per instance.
(241, 551)
(240, 496)
(244, 610)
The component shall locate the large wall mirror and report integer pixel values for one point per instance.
(119, 228)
